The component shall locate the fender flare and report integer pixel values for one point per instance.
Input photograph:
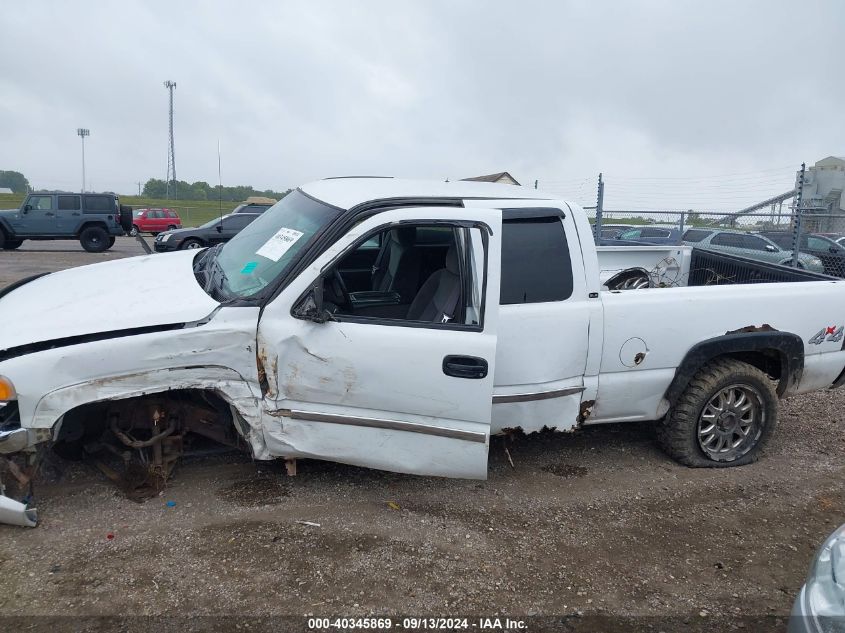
(89, 223)
(6, 228)
(789, 348)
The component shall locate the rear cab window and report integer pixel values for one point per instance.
(536, 264)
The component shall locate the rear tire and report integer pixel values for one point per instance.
(111, 241)
(10, 245)
(191, 243)
(723, 418)
(94, 239)
(172, 227)
(134, 231)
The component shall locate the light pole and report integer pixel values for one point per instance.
(82, 133)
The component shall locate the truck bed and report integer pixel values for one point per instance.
(679, 266)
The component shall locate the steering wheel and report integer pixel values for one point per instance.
(339, 288)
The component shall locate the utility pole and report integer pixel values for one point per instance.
(139, 188)
(171, 151)
(82, 133)
(599, 208)
(796, 217)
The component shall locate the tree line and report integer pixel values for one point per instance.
(15, 181)
(200, 190)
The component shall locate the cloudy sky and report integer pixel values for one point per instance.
(680, 104)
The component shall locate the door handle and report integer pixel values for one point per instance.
(465, 366)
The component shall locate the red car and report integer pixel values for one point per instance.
(154, 221)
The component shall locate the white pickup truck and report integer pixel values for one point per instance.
(398, 324)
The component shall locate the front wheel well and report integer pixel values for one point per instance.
(92, 427)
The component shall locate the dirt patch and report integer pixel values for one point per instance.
(260, 490)
(565, 470)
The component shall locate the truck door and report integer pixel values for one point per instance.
(400, 381)
(38, 216)
(548, 323)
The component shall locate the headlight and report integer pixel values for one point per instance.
(7, 390)
(826, 585)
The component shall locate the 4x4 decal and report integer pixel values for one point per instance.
(832, 334)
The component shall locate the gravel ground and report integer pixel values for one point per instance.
(598, 527)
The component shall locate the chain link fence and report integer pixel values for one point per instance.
(809, 241)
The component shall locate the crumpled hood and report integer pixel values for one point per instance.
(116, 295)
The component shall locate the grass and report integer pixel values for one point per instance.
(192, 212)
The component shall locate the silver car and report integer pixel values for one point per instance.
(820, 605)
(749, 245)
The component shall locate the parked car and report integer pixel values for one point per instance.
(651, 235)
(253, 207)
(216, 231)
(749, 245)
(831, 253)
(95, 219)
(500, 323)
(820, 605)
(610, 231)
(154, 221)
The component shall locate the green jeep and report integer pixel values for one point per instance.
(92, 218)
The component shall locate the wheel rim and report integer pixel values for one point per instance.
(731, 422)
(192, 245)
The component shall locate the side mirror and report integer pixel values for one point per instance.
(310, 308)
(219, 228)
(771, 248)
(27, 208)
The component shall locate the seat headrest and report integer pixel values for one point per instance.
(452, 260)
(405, 235)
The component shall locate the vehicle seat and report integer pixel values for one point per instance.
(397, 267)
(439, 295)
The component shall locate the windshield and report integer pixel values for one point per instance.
(263, 250)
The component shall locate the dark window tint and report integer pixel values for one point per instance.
(99, 204)
(69, 203)
(237, 222)
(733, 240)
(434, 235)
(781, 239)
(695, 235)
(655, 232)
(535, 261)
(754, 243)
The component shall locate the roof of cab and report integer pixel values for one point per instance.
(346, 193)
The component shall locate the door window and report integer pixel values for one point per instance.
(69, 203)
(733, 240)
(754, 243)
(430, 276)
(42, 203)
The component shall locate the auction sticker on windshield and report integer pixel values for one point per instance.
(279, 243)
